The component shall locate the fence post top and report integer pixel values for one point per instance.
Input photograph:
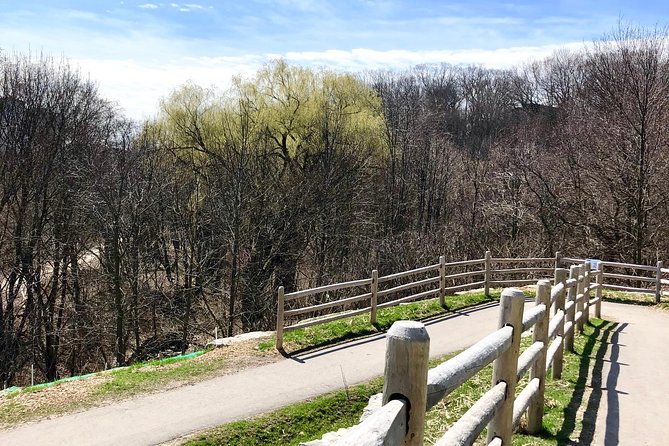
(562, 269)
(410, 330)
(513, 293)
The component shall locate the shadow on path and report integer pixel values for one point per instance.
(608, 337)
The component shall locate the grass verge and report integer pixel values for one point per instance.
(358, 326)
(570, 410)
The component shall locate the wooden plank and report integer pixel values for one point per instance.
(629, 277)
(407, 286)
(555, 291)
(466, 263)
(514, 282)
(532, 316)
(628, 289)
(425, 269)
(467, 429)
(422, 295)
(527, 358)
(572, 260)
(552, 349)
(554, 324)
(385, 426)
(628, 265)
(325, 319)
(570, 283)
(466, 286)
(449, 375)
(523, 400)
(522, 270)
(331, 287)
(323, 306)
(522, 259)
(465, 274)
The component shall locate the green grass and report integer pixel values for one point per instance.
(359, 326)
(634, 298)
(154, 375)
(570, 409)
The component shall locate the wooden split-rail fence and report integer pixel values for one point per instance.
(328, 303)
(410, 389)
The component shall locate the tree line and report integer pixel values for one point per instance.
(119, 240)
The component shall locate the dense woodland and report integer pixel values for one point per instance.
(118, 239)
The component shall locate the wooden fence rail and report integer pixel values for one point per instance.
(410, 389)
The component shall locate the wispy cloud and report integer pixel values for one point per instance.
(148, 6)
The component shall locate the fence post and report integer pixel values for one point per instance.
(580, 278)
(535, 411)
(571, 314)
(658, 284)
(374, 289)
(587, 267)
(487, 274)
(505, 367)
(558, 259)
(279, 318)
(405, 376)
(560, 277)
(442, 280)
(600, 290)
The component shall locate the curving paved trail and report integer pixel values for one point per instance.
(632, 399)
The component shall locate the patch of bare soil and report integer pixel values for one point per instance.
(74, 396)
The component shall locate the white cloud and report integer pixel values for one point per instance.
(148, 6)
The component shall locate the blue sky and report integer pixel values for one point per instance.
(138, 51)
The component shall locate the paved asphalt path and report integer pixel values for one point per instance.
(157, 418)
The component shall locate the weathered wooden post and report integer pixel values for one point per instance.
(279, 318)
(560, 277)
(571, 313)
(658, 283)
(535, 411)
(580, 297)
(599, 292)
(587, 271)
(373, 289)
(505, 367)
(442, 281)
(405, 376)
(487, 273)
(558, 259)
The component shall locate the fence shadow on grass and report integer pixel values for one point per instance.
(591, 375)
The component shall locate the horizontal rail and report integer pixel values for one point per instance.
(568, 306)
(555, 323)
(552, 350)
(664, 281)
(628, 265)
(594, 301)
(572, 260)
(496, 442)
(465, 263)
(532, 316)
(527, 358)
(446, 377)
(465, 274)
(521, 259)
(323, 289)
(664, 270)
(322, 320)
(395, 302)
(629, 277)
(407, 286)
(523, 399)
(578, 316)
(570, 283)
(466, 286)
(424, 269)
(471, 424)
(386, 426)
(568, 326)
(628, 289)
(335, 303)
(522, 270)
(514, 282)
(555, 292)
